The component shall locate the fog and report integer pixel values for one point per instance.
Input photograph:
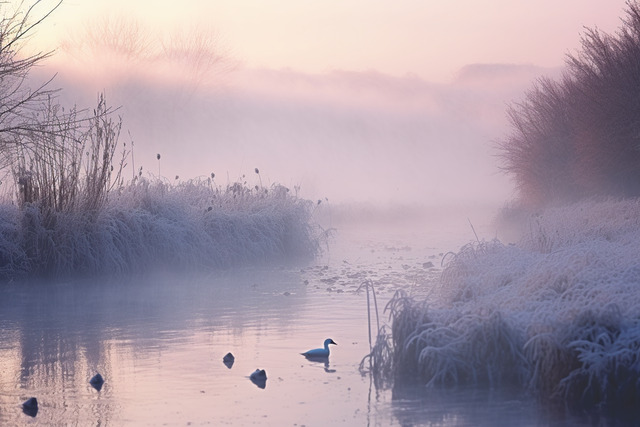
(400, 194)
(345, 137)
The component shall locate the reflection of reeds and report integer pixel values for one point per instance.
(561, 318)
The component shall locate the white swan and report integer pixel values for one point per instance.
(319, 353)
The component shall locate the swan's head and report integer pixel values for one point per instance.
(329, 341)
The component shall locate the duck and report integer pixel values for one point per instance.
(320, 353)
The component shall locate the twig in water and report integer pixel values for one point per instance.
(474, 230)
(369, 285)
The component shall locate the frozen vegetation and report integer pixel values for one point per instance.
(66, 208)
(149, 223)
(558, 313)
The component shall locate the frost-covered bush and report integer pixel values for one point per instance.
(150, 223)
(558, 313)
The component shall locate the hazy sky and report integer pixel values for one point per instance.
(349, 99)
(429, 38)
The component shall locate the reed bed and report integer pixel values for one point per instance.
(149, 223)
(65, 207)
(557, 314)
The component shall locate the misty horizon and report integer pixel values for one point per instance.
(342, 136)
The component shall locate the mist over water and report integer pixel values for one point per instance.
(405, 170)
(342, 136)
(262, 211)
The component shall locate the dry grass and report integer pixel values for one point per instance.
(149, 223)
(71, 211)
(66, 164)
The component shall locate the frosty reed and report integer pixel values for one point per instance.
(67, 210)
(558, 320)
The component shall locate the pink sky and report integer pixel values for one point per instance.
(348, 99)
(428, 38)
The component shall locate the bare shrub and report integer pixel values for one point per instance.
(580, 136)
(66, 162)
(18, 102)
(116, 36)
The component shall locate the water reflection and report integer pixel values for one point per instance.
(327, 369)
(55, 336)
(477, 406)
(324, 361)
(158, 343)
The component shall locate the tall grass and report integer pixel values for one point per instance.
(76, 215)
(148, 224)
(66, 162)
(557, 314)
(72, 212)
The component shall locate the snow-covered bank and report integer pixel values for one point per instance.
(193, 224)
(558, 313)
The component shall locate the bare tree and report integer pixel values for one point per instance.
(19, 103)
(121, 43)
(197, 51)
(111, 36)
(60, 160)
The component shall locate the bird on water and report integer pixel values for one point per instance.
(319, 353)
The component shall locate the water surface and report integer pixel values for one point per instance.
(159, 339)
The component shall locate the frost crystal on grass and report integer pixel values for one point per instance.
(558, 313)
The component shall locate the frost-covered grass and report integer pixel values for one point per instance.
(558, 313)
(149, 223)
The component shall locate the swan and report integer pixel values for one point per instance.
(319, 353)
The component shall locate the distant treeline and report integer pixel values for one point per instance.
(579, 136)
